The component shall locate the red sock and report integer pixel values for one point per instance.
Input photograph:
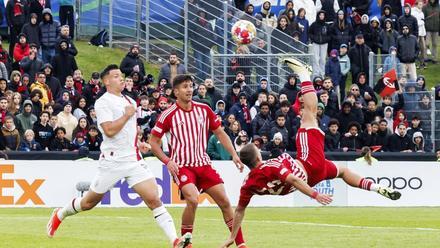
(307, 87)
(239, 238)
(365, 184)
(186, 228)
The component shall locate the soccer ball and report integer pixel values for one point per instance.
(243, 32)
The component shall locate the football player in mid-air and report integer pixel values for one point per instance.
(283, 175)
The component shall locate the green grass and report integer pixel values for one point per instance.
(264, 227)
(91, 58)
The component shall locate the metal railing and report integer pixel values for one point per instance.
(380, 64)
(162, 26)
(255, 67)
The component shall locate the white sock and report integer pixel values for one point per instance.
(72, 208)
(165, 221)
(375, 187)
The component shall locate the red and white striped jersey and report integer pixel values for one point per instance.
(269, 178)
(188, 133)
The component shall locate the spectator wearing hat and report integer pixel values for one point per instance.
(79, 141)
(64, 64)
(341, 31)
(241, 111)
(351, 141)
(407, 51)
(408, 20)
(51, 81)
(162, 104)
(172, 68)
(21, 49)
(324, 119)
(94, 139)
(49, 31)
(276, 146)
(132, 62)
(388, 36)
(43, 131)
(332, 136)
(65, 35)
(31, 64)
(365, 91)
(90, 90)
(414, 126)
(32, 29)
(36, 7)
(67, 120)
(391, 9)
(232, 96)
(358, 55)
(17, 13)
(241, 140)
(60, 142)
(26, 119)
(28, 143)
(399, 141)
(333, 69)
(291, 87)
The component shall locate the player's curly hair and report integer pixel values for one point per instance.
(248, 155)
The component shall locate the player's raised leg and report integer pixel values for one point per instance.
(78, 204)
(357, 181)
(148, 191)
(218, 194)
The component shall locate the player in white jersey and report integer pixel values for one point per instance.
(120, 158)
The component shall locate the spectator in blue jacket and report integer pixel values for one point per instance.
(333, 69)
(28, 143)
(303, 26)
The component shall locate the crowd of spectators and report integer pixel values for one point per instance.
(47, 104)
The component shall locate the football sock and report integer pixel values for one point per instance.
(186, 228)
(368, 184)
(239, 238)
(307, 87)
(72, 208)
(165, 221)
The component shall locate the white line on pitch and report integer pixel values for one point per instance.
(337, 225)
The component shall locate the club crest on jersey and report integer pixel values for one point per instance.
(201, 120)
(183, 178)
(181, 123)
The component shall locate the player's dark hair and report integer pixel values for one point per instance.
(107, 70)
(179, 79)
(248, 155)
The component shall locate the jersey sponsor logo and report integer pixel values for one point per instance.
(399, 183)
(29, 188)
(183, 178)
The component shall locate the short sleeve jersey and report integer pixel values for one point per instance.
(188, 133)
(123, 145)
(269, 178)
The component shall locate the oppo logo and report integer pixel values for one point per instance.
(414, 183)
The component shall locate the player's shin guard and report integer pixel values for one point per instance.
(165, 221)
(72, 208)
(307, 87)
(368, 184)
(239, 241)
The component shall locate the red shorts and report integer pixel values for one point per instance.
(203, 177)
(310, 151)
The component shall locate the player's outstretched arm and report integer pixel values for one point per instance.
(307, 190)
(226, 142)
(238, 219)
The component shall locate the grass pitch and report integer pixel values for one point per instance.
(264, 227)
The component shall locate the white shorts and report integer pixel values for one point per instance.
(110, 172)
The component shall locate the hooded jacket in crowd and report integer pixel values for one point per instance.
(64, 64)
(53, 82)
(410, 21)
(26, 120)
(130, 60)
(49, 31)
(341, 32)
(32, 31)
(407, 48)
(319, 31)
